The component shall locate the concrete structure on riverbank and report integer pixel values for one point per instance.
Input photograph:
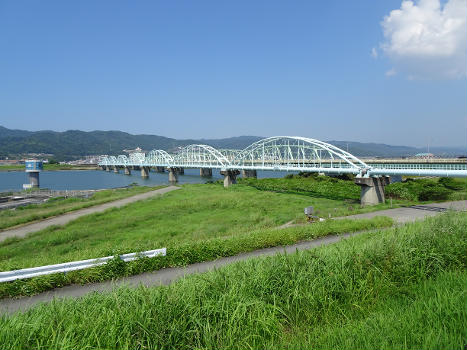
(33, 168)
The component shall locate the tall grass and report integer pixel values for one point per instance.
(189, 252)
(402, 288)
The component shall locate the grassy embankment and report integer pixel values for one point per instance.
(403, 193)
(60, 205)
(401, 288)
(50, 167)
(197, 223)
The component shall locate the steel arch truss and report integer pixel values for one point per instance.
(122, 160)
(158, 157)
(200, 156)
(230, 154)
(112, 161)
(137, 159)
(297, 153)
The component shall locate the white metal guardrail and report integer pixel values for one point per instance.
(8, 276)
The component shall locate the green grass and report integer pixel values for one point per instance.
(196, 223)
(194, 213)
(402, 288)
(403, 193)
(435, 189)
(316, 186)
(58, 206)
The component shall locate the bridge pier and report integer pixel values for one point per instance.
(144, 171)
(173, 175)
(159, 169)
(230, 177)
(246, 173)
(181, 171)
(205, 172)
(107, 168)
(372, 189)
(127, 170)
(116, 170)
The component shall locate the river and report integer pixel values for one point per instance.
(98, 179)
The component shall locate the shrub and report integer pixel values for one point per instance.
(451, 184)
(434, 193)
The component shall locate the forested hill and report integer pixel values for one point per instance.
(75, 143)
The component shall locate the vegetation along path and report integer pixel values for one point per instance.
(66, 218)
(169, 275)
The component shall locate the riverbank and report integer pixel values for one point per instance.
(27, 215)
(393, 288)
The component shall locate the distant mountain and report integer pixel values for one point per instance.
(74, 144)
(375, 149)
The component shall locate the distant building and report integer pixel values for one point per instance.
(136, 150)
(425, 155)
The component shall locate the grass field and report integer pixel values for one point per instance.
(196, 223)
(57, 206)
(401, 288)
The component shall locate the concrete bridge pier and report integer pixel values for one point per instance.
(107, 168)
(173, 175)
(372, 189)
(116, 170)
(246, 173)
(205, 172)
(159, 169)
(144, 171)
(127, 170)
(230, 177)
(181, 171)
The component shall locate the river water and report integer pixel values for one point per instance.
(98, 179)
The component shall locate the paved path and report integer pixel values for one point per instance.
(167, 276)
(66, 218)
(416, 212)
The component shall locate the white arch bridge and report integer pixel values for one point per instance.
(281, 153)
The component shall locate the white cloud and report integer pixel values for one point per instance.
(427, 40)
(374, 53)
(391, 72)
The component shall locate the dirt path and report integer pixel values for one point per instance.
(167, 276)
(66, 218)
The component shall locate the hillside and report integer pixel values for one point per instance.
(73, 144)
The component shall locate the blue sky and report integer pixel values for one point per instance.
(331, 70)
